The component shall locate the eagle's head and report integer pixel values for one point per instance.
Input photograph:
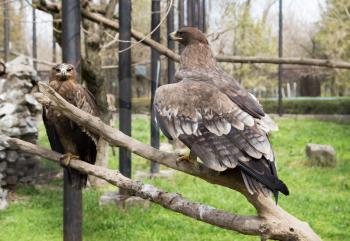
(188, 35)
(63, 72)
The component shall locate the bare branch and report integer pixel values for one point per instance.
(278, 224)
(173, 201)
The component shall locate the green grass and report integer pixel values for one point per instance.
(318, 195)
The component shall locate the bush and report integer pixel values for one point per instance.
(305, 105)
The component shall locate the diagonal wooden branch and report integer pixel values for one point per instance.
(278, 224)
(112, 24)
(243, 224)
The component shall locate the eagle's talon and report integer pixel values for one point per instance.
(191, 158)
(66, 158)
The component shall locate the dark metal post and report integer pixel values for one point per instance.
(124, 73)
(181, 13)
(203, 15)
(171, 44)
(280, 54)
(155, 75)
(35, 54)
(6, 31)
(195, 13)
(54, 51)
(189, 13)
(72, 214)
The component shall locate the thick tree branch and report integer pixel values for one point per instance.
(278, 223)
(112, 24)
(173, 201)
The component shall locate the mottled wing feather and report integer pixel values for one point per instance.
(217, 130)
(84, 100)
(52, 133)
(227, 85)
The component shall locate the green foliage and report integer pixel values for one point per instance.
(249, 36)
(318, 195)
(309, 106)
(332, 41)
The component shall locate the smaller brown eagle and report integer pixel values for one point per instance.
(65, 136)
(222, 123)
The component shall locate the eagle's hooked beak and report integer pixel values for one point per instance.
(173, 36)
(63, 75)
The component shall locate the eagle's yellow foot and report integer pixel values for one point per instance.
(66, 158)
(192, 158)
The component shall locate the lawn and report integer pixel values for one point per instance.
(318, 195)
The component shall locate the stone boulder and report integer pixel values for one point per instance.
(321, 155)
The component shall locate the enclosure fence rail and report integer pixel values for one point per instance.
(277, 223)
(114, 25)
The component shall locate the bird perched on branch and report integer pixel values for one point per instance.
(64, 135)
(222, 123)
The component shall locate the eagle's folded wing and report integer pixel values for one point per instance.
(218, 130)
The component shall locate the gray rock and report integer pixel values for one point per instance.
(136, 202)
(7, 122)
(123, 201)
(11, 180)
(112, 198)
(11, 171)
(30, 99)
(15, 131)
(14, 95)
(3, 199)
(2, 155)
(3, 165)
(7, 109)
(321, 155)
(12, 156)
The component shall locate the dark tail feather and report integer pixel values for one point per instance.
(76, 179)
(270, 180)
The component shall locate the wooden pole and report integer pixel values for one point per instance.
(72, 201)
(6, 15)
(124, 73)
(155, 75)
(280, 55)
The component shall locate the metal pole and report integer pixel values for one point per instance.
(189, 13)
(155, 74)
(181, 13)
(204, 12)
(124, 73)
(6, 31)
(195, 13)
(54, 54)
(200, 15)
(35, 54)
(72, 214)
(280, 55)
(171, 44)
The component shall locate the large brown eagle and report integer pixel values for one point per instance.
(65, 136)
(222, 123)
